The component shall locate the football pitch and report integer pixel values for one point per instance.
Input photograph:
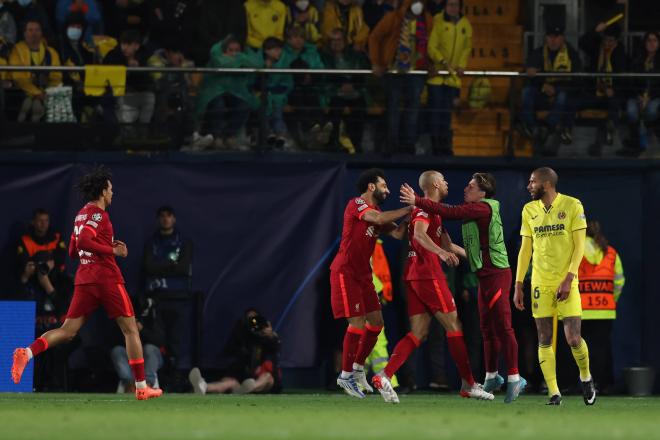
(321, 416)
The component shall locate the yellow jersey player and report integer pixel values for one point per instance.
(553, 235)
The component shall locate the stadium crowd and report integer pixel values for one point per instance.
(301, 111)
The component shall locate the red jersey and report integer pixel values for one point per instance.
(479, 212)
(358, 240)
(91, 242)
(423, 264)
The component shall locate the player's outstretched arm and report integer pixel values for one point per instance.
(524, 256)
(397, 231)
(385, 217)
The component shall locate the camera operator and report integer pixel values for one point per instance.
(255, 349)
(42, 278)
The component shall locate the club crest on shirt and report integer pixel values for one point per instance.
(97, 216)
(561, 215)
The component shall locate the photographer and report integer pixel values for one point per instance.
(255, 349)
(42, 279)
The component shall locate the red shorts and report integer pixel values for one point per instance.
(351, 296)
(429, 296)
(88, 297)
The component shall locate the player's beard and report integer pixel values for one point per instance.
(379, 196)
(538, 194)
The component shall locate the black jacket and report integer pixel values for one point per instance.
(135, 81)
(535, 59)
(590, 44)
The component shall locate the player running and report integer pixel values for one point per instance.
(98, 282)
(554, 228)
(428, 293)
(351, 281)
(483, 239)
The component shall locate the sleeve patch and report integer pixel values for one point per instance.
(92, 223)
(97, 216)
(362, 208)
(360, 201)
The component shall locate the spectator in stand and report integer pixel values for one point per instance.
(173, 18)
(375, 10)
(226, 100)
(449, 48)
(347, 16)
(174, 95)
(76, 52)
(88, 8)
(30, 10)
(436, 6)
(152, 335)
(138, 102)
(557, 94)
(42, 278)
(265, 18)
(399, 42)
(122, 15)
(34, 51)
(255, 349)
(306, 17)
(7, 24)
(605, 54)
(168, 279)
(278, 88)
(217, 20)
(345, 91)
(305, 90)
(642, 108)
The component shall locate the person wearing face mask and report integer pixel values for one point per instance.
(88, 8)
(75, 51)
(305, 16)
(399, 42)
(345, 15)
(24, 10)
(265, 18)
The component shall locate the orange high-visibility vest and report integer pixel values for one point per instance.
(32, 247)
(597, 287)
(382, 270)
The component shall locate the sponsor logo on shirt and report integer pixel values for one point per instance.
(548, 228)
(412, 254)
(97, 216)
(371, 232)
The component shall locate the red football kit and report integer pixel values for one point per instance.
(425, 281)
(351, 280)
(98, 279)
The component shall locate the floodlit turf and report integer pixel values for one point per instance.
(321, 416)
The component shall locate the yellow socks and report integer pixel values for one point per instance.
(548, 367)
(581, 356)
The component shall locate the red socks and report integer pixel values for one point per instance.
(367, 342)
(351, 342)
(137, 365)
(401, 353)
(460, 355)
(38, 346)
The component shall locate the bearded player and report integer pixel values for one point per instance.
(429, 295)
(98, 282)
(553, 231)
(483, 238)
(353, 295)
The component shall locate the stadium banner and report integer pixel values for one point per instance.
(16, 327)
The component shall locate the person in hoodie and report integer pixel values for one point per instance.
(399, 42)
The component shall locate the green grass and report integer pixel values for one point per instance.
(321, 416)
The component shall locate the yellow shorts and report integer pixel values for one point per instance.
(545, 304)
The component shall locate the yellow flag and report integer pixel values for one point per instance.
(98, 77)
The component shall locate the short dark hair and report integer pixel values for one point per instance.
(130, 36)
(486, 182)
(164, 209)
(272, 43)
(547, 174)
(294, 31)
(92, 184)
(230, 39)
(369, 176)
(40, 211)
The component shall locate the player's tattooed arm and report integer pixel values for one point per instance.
(385, 217)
